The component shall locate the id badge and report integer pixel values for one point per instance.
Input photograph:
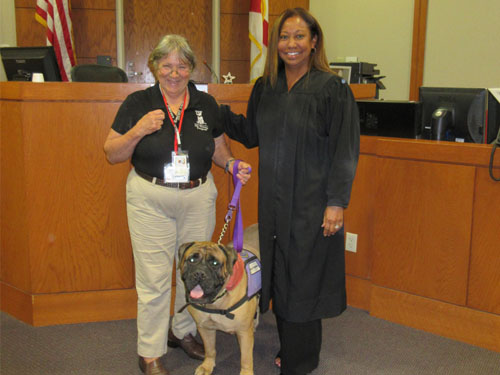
(178, 169)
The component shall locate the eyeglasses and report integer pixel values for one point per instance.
(169, 69)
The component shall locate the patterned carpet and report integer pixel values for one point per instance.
(354, 343)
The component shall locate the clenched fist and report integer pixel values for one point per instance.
(150, 122)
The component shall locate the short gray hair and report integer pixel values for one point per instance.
(170, 43)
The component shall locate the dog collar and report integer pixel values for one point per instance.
(238, 269)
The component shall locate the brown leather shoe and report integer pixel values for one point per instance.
(189, 344)
(152, 368)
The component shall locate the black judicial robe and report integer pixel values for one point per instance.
(308, 142)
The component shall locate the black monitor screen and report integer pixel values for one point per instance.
(389, 118)
(21, 62)
(493, 125)
(454, 114)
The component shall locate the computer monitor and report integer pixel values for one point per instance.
(454, 114)
(493, 124)
(21, 62)
(389, 118)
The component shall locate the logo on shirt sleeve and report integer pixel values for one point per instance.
(200, 123)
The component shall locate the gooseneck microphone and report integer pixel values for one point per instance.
(211, 70)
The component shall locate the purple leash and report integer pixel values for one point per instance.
(235, 205)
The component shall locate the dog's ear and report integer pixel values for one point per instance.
(182, 250)
(232, 257)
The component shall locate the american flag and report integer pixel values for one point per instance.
(55, 16)
(258, 24)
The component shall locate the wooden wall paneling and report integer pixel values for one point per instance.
(24, 3)
(484, 278)
(278, 6)
(445, 152)
(359, 217)
(249, 192)
(236, 96)
(93, 4)
(235, 46)
(70, 186)
(94, 33)
(234, 38)
(422, 228)
(146, 22)
(16, 303)
(94, 28)
(222, 182)
(235, 6)
(456, 322)
(29, 32)
(69, 308)
(359, 292)
(418, 47)
(66, 257)
(238, 68)
(15, 266)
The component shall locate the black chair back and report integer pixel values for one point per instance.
(97, 73)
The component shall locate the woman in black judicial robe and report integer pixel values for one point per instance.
(305, 122)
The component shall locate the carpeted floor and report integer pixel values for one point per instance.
(354, 343)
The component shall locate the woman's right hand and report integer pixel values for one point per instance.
(120, 147)
(150, 122)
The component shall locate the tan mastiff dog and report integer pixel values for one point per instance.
(222, 294)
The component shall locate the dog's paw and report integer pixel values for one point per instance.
(204, 369)
(246, 372)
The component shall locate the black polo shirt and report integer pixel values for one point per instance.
(200, 126)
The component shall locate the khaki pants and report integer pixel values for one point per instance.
(160, 219)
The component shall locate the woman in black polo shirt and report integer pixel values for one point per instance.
(172, 133)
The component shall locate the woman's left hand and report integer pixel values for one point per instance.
(333, 220)
(243, 172)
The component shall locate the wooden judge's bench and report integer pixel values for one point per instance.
(425, 212)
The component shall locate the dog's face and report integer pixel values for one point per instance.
(205, 268)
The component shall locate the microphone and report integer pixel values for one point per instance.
(211, 70)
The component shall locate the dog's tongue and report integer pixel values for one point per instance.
(196, 292)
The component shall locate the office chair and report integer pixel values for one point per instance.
(97, 73)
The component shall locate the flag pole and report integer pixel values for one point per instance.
(215, 39)
(120, 42)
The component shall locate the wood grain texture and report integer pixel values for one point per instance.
(73, 187)
(16, 303)
(455, 322)
(445, 152)
(92, 306)
(75, 200)
(94, 32)
(94, 28)
(93, 4)
(278, 6)
(484, 278)
(358, 292)
(146, 22)
(14, 265)
(422, 228)
(418, 47)
(237, 97)
(238, 69)
(234, 38)
(68, 92)
(28, 31)
(359, 217)
(235, 7)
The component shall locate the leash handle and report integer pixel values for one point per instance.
(235, 205)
